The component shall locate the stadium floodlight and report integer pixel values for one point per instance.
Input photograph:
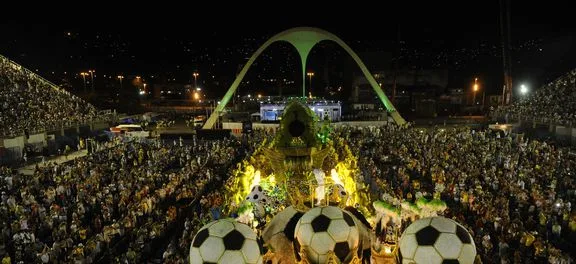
(523, 89)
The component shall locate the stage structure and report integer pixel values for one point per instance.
(322, 108)
(304, 39)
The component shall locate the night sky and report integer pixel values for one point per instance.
(173, 42)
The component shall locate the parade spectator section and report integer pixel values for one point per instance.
(30, 104)
(553, 103)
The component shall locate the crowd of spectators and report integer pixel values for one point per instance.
(554, 102)
(514, 196)
(108, 206)
(30, 103)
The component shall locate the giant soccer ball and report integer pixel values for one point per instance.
(283, 224)
(327, 229)
(365, 232)
(225, 241)
(437, 240)
(278, 235)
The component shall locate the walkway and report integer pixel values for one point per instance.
(29, 169)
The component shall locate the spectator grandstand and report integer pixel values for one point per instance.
(553, 103)
(30, 103)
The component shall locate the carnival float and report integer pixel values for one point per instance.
(300, 199)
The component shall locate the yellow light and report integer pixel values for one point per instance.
(196, 96)
(387, 250)
(259, 96)
(475, 87)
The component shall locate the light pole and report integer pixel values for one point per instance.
(195, 79)
(475, 90)
(120, 77)
(92, 78)
(310, 75)
(84, 78)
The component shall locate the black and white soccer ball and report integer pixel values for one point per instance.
(225, 241)
(283, 224)
(327, 229)
(365, 232)
(437, 240)
(278, 235)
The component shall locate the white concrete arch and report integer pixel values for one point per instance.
(304, 39)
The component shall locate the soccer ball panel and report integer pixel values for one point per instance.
(443, 225)
(463, 235)
(246, 231)
(427, 236)
(305, 233)
(233, 240)
(332, 212)
(427, 254)
(408, 246)
(342, 250)
(232, 257)
(468, 254)
(322, 259)
(448, 245)
(212, 249)
(417, 225)
(221, 228)
(322, 243)
(195, 257)
(339, 230)
(251, 251)
(312, 256)
(353, 237)
(349, 219)
(310, 215)
(290, 227)
(200, 237)
(280, 221)
(321, 223)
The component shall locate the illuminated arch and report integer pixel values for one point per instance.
(304, 39)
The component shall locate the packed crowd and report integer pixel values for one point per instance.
(117, 204)
(210, 206)
(515, 197)
(108, 206)
(554, 102)
(28, 102)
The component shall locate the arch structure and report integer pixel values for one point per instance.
(304, 39)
